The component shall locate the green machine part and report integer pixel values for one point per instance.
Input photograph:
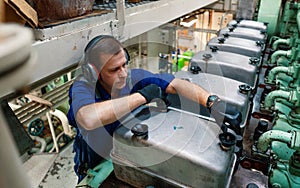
(288, 22)
(281, 149)
(283, 173)
(269, 11)
(280, 176)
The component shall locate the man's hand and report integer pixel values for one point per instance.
(226, 115)
(151, 92)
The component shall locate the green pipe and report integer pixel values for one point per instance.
(274, 135)
(275, 94)
(280, 53)
(276, 70)
(100, 173)
(283, 61)
(273, 38)
(280, 41)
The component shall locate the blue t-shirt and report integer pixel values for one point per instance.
(84, 93)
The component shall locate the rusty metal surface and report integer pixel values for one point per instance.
(243, 177)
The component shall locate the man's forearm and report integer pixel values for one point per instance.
(102, 113)
(188, 90)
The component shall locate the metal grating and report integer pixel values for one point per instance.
(111, 4)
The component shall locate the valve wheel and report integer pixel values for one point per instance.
(36, 127)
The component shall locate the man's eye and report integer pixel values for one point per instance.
(115, 69)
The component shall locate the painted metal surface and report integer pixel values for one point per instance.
(270, 11)
(248, 24)
(237, 45)
(246, 33)
(230, 65)
(226, 88)
(180, 150)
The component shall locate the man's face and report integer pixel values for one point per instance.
(114, 72)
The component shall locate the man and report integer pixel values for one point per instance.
(107, 91)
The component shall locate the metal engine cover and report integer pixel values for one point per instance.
(237, 45)
(243, 32)
(230, 65)
(180, 150)
(248, 24)
(226, 88)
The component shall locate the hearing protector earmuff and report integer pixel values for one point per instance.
(89, 70)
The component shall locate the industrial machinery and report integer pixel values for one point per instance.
(251, 64)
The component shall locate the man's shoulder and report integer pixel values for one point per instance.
(80, 82)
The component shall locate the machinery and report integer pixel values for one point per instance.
(251, 64)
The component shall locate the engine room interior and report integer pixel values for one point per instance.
(246, 52)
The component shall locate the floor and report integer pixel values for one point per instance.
(52, 170)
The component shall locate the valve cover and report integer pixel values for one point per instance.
(237, 45)
(248, 24)
(243, 32)
(226, 88)
(230, 65)
(180, 150)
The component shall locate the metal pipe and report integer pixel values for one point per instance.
(280, 53)
(274, 135)
(276, 70)
(42, 141)
(64, 121)
(275, 94)
(120, 14)
(101, 172)
(52, 132)
(280, 41)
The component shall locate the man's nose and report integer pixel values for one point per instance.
(123, 72)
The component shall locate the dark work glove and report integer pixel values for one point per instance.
(151, 92)
(226, 115)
